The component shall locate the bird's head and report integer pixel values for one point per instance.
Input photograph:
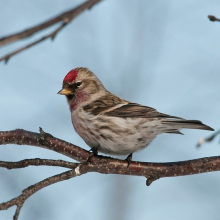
(81, 86)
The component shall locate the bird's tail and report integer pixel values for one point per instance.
(176, 124)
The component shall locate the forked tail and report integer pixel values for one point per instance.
(175, 125)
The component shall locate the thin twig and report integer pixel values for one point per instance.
(152, 171)
(51, 35)
(208, 139)
(26, 193)
(37, 162)
(65, 18)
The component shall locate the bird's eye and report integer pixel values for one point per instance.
(78, 84)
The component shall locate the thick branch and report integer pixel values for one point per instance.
(63, 18)
(43, 140)
(100, 164)
(109, 165)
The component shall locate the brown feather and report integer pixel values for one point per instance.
(174, 132)
(106, 106)
(103, 104)
(136, 110)
(191, 124)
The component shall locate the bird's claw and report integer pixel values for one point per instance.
(94, 152)
(129, 159)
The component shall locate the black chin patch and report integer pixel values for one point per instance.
(69, 97)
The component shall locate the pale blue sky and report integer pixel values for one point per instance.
(164, 54)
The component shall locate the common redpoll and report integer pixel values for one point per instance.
(112, 125)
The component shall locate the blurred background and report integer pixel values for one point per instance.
(163, 54)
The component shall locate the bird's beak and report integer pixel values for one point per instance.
(65, 92)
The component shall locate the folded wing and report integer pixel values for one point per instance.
(115, 107)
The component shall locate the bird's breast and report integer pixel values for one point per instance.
(82, 123)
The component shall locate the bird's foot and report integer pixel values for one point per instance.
(129, 159)
(94, 152)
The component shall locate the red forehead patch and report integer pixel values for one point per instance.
(71, 75)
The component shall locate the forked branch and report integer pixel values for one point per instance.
(100, 164)
(64, 18)
(26, 193)
(109, 165)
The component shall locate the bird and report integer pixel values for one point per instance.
(110, 124)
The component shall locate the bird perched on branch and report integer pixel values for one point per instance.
(112, 125)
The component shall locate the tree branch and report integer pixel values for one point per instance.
(51, 35)
(100, 164)
(43, 140)
(208, 139)
(26, 193)
(108, 165)
(152, 171)
(64, 18)
(37, 162)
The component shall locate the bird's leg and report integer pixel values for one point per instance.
(129, 159)
(94, 152)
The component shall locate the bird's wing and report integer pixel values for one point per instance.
(116, 107)
(104, 104)
(136, 110)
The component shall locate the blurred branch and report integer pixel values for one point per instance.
(51, 35)
(208, 139)
(64, 18)
(100, 164)
(213, 18)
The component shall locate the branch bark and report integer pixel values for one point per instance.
(37, 162)
(100, 164)
(64, 18)
(108, 165)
